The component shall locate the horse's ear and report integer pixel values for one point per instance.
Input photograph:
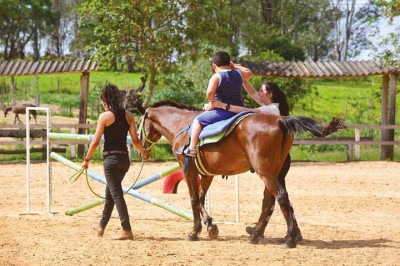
(139, 107)
(142, 85)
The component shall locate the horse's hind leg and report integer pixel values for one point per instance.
(288, 212)
(212, 229)
(268, 207)
(34, 114)
(282, 182)
(293, 234)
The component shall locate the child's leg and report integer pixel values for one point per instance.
(194, 136)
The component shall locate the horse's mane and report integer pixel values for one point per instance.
(174, 104)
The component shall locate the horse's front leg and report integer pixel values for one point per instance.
(19, 120)
(212, 229)
(191, 180)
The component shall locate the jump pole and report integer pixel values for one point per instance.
(139, 184)
(132, 192)
(89, 138)
(28, 159)
(208, 203)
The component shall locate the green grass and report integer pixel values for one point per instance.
(63, 90)
(357, 100)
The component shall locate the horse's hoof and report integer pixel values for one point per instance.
(290, 244)
(253, 240)
(193, 237)
(299, 237)
(251, 229)
(213, 231)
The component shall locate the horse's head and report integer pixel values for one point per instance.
(164, 118)
(5, 109)
(147, 132)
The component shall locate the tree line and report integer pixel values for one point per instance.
(172, 39)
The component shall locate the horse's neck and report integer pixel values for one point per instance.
(170, 124)
(169, 130)
(7, 109)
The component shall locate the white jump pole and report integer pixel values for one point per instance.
(208, 202)
(28, 158)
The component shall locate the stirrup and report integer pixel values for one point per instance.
(190, 152)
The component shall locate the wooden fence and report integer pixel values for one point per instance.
(353, 144)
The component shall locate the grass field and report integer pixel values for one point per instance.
(357, 100)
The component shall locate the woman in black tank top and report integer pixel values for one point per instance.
(114, 123)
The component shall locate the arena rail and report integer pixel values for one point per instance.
(352, 143)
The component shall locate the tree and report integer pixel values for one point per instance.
(153, 33)
(63, 28)
(23, 22)
(389, 47)
(297, 30)
(350, 26)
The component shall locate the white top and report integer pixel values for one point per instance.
(272, 108)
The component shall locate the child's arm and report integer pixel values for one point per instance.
(212, 87)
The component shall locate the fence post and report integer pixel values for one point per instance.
(72, 147)
(357, 146)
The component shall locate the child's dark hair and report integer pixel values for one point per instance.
(278, 96)
(221, 58)
(112, 96)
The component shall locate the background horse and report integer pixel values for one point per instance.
(19, 108)
(259, 143)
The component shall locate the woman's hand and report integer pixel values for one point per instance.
(85, 164)
(208, 106)
(144, 154)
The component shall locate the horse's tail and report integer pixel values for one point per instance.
(297, 124)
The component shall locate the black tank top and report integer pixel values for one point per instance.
(115, 134)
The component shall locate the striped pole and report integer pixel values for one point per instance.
(89, 138)
(132, 192)
(139, 184)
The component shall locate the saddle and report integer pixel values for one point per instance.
(212, 134)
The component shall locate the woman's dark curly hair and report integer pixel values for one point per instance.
(278, 96)
(112, 96)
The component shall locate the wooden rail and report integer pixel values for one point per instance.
(352, 143)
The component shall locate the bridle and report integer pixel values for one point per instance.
(142, 132)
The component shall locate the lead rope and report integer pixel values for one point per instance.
(76, 176)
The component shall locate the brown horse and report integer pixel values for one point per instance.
(20, 108)
(259, 143)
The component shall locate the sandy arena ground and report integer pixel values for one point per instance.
(348, 213)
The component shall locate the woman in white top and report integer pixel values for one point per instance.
(271, 98)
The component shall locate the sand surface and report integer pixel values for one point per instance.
(348, 213)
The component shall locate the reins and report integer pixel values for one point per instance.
(76, 176)
(141, 132)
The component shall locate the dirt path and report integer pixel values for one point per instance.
(348, 213)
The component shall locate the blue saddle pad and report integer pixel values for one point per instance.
(216, 131)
